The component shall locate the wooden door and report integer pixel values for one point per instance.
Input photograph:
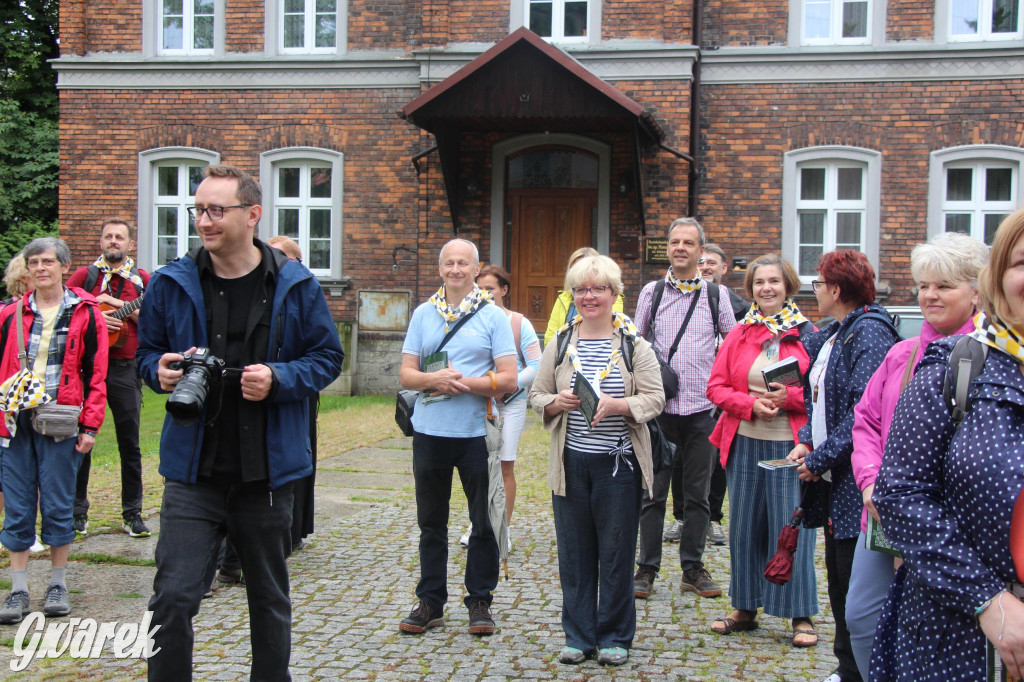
(547, 227)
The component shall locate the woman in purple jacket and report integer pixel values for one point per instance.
(946, 272)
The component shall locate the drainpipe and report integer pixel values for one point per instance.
(695, 98)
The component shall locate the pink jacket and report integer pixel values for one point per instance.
(728, 386)
(873, 414)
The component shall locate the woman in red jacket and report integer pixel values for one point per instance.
(761, 424)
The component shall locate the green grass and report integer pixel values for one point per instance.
(100, 558)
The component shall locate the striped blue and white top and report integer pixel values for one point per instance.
(612, 431)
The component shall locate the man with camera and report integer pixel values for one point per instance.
(117, 284)
(259, 340)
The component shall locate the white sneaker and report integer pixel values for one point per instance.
(834, 677)
(37, 546)
(464, 540)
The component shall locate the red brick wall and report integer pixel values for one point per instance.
(728, 23)
(908, 20)
(668, 20)
(244, 24)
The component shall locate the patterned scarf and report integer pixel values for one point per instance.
(997, 335)
(22, 391)
(124, 270)
(473, 300)
(684, 285)
(619, 321)
(787, 318)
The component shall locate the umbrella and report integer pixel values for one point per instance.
(780, 567)
(496, 484)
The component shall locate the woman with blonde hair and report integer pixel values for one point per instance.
(16, 278)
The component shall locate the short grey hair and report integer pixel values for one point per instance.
(717, 250)
(949, 258)
(43, 244)
(599, 269)
(687, 221)
(476, 251)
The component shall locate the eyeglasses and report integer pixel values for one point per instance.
(593, 291)
(817, 284)
(212, 212)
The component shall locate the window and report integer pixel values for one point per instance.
(836, 22)
(830, 201)
(561, 20)
(984, 20)
(309, 26)
(973, 188)
(186, 26)
(302, 200)
(168, 179)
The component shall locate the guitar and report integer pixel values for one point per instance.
(124, 311)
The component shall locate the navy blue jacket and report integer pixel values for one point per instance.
(843, 388)
(304, 353)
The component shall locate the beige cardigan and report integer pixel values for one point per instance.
(644, 395)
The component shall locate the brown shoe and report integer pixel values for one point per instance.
(643, 582)
(480, 621)
(421, 619)
(699, 580)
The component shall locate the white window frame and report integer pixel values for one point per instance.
(149, 161)
(944, 24)
(835, 28)
(152, 32)
(519, 16)
(832, 157)
(979, 156)
(875, 21)
(274, 30)
(270, 162)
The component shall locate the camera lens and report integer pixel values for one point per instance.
(186, 401)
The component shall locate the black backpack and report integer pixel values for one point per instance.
(966, 361)
(93, 276)
(888, 321)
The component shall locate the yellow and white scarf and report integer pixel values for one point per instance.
(124, 270)
(619, 321)
(684, 285)
(473, 300)
(22, 391)
(995, 334)
(787, 318)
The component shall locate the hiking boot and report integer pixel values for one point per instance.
(674, 532)
(226, 577)
(81, 524)
(699, 580)
(57, 603)
(421, 619)
(134, 526)
(643, 582)
(480, 621)
(716, 535)
(15, 607)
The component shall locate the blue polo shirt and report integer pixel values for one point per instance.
(474, 348)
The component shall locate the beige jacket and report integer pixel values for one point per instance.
(644, 395)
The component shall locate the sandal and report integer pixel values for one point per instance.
(731, 625)
(807, 631)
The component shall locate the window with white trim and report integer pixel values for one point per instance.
(302, 200)
(561, 20)
(830, 201)
(971, 20)
(308, 26)
(836, 22)
(186, 26)
(972, 188)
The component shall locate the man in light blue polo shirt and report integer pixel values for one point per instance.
(449, 430)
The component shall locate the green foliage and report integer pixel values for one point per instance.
(28, 41)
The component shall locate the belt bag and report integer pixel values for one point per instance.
(57, 421)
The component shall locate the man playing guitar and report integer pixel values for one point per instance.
(116, 283)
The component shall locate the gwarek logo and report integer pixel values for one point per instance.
(81, 638)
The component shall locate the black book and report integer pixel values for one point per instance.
(785, 372)
(588, 398)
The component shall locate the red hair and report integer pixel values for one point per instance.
(852, 272)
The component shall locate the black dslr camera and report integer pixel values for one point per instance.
(189, 396)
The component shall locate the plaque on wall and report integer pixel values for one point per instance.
(656, 250)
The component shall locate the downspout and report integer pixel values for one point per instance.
(692, 192)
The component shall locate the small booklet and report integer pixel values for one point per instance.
(875, 538)
(785, 372)
(773, 464)
(435, 363)
(589, 398)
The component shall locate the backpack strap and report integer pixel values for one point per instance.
(92, 276)
(659, 291)
(517, 334)
(966, 361)
(884, 319)
(714, 292)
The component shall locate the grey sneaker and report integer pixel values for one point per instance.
(716, 536)
(699, 580)
(134, 526)
(57, 603)
(674, 532)
(643, 582)
(15, 607)
(613, 656)
(81, 524)
(480, 621)
(421, 619)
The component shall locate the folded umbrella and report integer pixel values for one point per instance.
(780, 567)
(496, 485)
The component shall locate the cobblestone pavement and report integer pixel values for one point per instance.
(357, 579)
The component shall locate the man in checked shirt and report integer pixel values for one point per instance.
(687, 417)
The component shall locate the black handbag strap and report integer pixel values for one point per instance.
(462, 321)
(682, 329)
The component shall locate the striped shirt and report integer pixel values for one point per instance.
(611, 431)
(696, 353)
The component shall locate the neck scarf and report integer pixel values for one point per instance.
(124, 270)
(787, 318)
(684, 285)
(619, 321)
(995, 334)
(473, 300)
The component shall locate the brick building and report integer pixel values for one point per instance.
(381, 129)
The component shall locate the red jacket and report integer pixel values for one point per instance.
(729, 387)
(84, 373)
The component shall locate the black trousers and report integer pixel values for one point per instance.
(838, 566)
